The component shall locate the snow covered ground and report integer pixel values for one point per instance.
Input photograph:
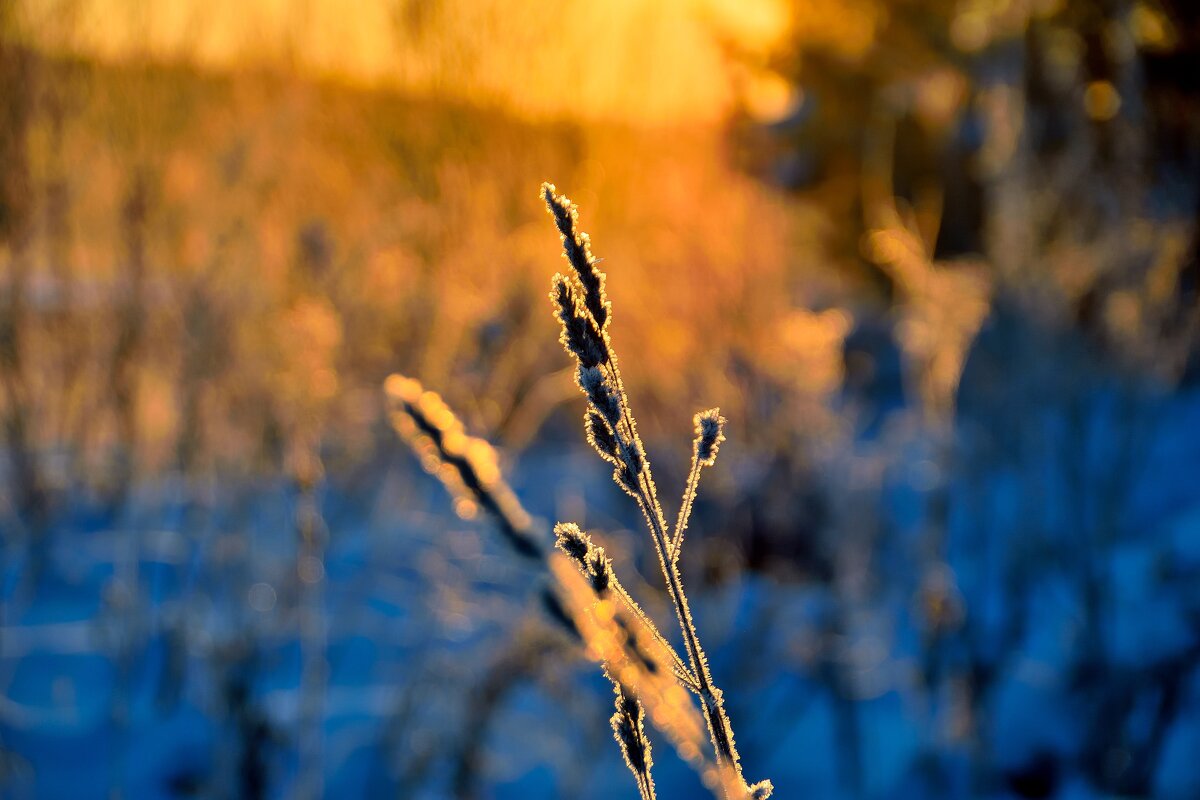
(174, 652)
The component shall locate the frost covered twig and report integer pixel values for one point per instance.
(582, 307)
(579, 589)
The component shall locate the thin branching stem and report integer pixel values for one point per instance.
(714, 712)
(582, 306)
(682, 673)
(685, 509)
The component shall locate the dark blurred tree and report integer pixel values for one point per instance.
(958, 111)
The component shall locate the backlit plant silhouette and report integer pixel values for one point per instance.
(581, 593)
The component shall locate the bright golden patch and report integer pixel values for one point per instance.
(1101, 101)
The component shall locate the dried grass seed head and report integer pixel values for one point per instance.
(590, 558)
(573, 542)
(579, 336)
(578, 251)
(634, 457)
(630, 732)
(601, 437)
(601, 394)
(627, 480)
(468, 466)
(710, 432)
(761, 790)
(599, 570)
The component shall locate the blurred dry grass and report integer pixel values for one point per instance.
(312, 236)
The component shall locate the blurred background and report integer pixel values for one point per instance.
(938, 261)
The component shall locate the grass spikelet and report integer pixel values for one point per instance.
(630, 734)
(578, 252)
(469, 467)
(710, 427)
(603, 396)
(761, 790)
(601, 438)
(572, 541)
(580, 335)
(589, 558)
(599, 571)
(627, 479)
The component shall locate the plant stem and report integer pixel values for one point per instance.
(685, 509)
(719, 729)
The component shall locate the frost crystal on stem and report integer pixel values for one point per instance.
(612, 431)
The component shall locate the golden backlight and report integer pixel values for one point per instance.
(647, 60)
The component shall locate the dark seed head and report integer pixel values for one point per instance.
(601, 437)
(709, 435)
(634, 458)
(578, 251)
(579, 334)
(572, 541)
(627, 480)
(761, 790)
(599, 570)
(629, 731)
(600, 393)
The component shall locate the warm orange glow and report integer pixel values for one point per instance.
(656, 61)
(1101, 101)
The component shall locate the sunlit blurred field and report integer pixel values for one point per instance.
(937, 262)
